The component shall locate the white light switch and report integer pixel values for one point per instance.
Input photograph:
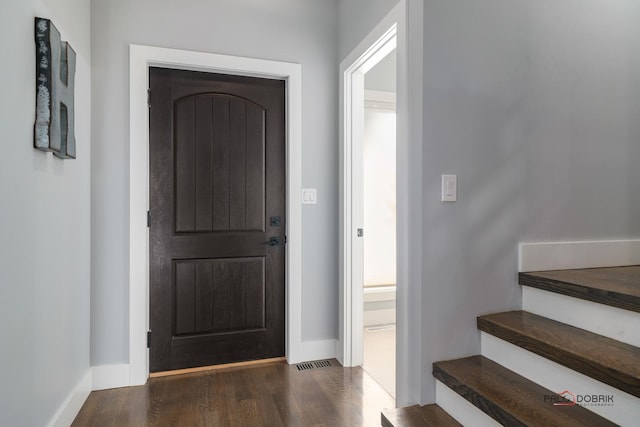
(309, 196)
(449, 188)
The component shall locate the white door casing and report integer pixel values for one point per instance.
(388, 35)
(141, 58)
(407, 15)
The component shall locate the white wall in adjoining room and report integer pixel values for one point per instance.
(44, 226)
(297, 31)
(535, 106)
(383, 75)
(379, 198)
(379, 173)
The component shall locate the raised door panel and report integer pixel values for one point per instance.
(219, 296)
(219, 164)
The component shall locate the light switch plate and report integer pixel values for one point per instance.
(309, 196)
(449, 188)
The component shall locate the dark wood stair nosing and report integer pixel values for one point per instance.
(490, 408)
(418, 416)
(556, 352)
(584, 292)
(508, 397)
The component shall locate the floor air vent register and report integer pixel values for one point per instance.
(306, 366)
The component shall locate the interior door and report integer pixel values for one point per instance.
(217, 218)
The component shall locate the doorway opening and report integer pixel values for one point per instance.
(369, 214)
(379, 222)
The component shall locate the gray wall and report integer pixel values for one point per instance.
(535, 105)
(356, 19)
(302, 31)
(44, 225)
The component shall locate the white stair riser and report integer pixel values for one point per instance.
(625, 410)
(615, 323)
(459, 408)
(568, 255)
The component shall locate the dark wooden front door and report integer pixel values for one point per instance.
(217, 198)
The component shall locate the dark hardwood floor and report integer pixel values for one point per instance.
(274, 394)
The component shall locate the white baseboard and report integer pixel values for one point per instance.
(570, 255)
(115, 376)
(110, 376)
(601, 319)
(379, 293)
(315, 350)
(379, 305)
(460, 409)
(557, 378)
(73, 403)
(379, 317)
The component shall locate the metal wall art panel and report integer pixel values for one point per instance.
(55, 78)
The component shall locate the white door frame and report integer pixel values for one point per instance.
(387, 35)
(354, 97)
(140, 59)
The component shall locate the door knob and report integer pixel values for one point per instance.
(273, 241)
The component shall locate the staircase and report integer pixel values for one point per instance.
(577, 339)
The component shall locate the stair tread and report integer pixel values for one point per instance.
(508, 397)
(418, 416)
(605, 359)
(614, 286)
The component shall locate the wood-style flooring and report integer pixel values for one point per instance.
(274, 394)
